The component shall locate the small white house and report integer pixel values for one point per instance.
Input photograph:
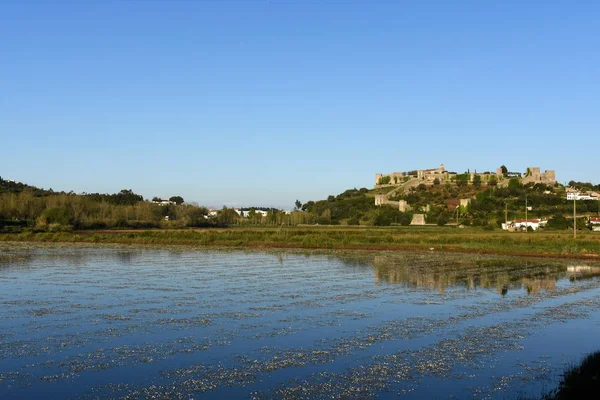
(528, 223)
(246, 213)
(595, 224)
(583, 196)
(161, 202)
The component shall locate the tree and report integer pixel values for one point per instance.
(514, 183)
(436, 181)
(477, 181)
(197, 216)
(504, 170)
(462, 179)
(493, 181)
(156, 198)
(442, 221)
(405, 219)
(384, 180)
(558, 222)
(298, 204)
(56, 215)
(177, 200)
(227, 216)
(308, 206)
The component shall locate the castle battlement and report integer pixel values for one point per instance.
(429, 176)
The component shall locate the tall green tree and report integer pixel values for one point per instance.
(176, 199)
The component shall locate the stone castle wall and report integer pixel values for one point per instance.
(547, 177)
(428, 176)
(402, 205)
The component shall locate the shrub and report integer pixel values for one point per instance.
(121, 223)
(514, 183)
(462, 179)
(558, 222)
(353, 221)
(579, 381)
(405, 219)
(442, 221)
(56, 215)
(384, 180)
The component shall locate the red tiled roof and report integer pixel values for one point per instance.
(594, 219)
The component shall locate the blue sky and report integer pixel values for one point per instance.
(265, 102)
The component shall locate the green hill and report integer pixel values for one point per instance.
(489, 205)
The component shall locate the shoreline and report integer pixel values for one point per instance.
(544, 245)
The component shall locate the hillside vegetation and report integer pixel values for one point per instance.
(23, 206)
(27, 207)
(489, 205)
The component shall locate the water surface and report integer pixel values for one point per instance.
(145, 323)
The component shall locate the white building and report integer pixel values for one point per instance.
(161, 202)
(583, 196)
(522, 224)
(246, 213)
(595, 224)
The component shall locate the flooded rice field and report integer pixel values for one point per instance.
(179, 324)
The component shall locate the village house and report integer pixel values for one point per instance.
(162, 202)
(246, 213)
(595, 224)
(522, 224)
(574, 195)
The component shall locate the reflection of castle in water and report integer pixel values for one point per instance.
(500, 275)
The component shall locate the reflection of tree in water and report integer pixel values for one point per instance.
(9, 260)
(501, 275)
(64, 257)
(125, 257)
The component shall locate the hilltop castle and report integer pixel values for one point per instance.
(429, 176)
(401, 181)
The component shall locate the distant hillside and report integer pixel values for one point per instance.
(440, 203)
(10, 186)
(23, 205)
(124, 197)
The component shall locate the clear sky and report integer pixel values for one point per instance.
(265, 102)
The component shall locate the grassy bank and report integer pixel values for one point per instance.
(470, 240)
(581, 381)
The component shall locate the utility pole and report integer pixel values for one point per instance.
(526, 222)
(457, 216)
(574, 217)
(506, 213)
